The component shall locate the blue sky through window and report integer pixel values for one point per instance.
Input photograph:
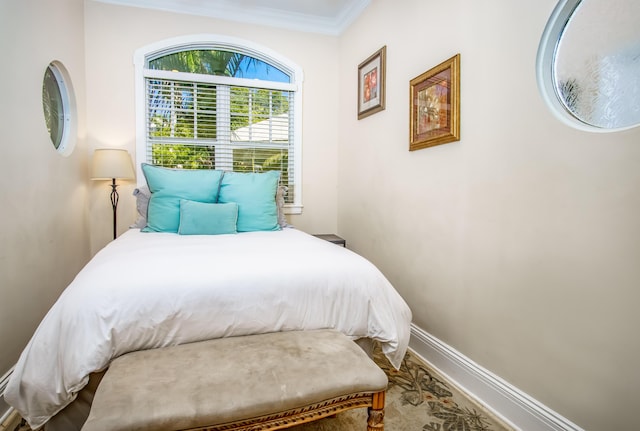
(252, 68)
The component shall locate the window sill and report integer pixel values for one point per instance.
(293, 209)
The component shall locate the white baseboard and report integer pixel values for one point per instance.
(4, 381)
(506, 401)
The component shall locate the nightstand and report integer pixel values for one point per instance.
(331, 238)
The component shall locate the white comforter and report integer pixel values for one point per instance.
(148, 290)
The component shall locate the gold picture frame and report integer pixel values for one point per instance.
(435, 105)
(371, 83)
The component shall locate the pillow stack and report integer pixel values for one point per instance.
(210, 202)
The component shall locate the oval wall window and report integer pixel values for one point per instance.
(58, 107)
(588, 64)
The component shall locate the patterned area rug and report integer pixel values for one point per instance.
(417, 399)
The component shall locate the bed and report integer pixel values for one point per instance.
(148, 290)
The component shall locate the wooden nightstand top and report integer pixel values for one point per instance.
(331, 238)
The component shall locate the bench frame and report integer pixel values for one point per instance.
(374, 401)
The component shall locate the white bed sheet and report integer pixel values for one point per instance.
(149, 290)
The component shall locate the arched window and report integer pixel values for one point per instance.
(211, 102)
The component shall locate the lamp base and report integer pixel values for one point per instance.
(114, 205)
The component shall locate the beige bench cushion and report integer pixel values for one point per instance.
(229, 379)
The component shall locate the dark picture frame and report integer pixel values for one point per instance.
(435, 105)
(371, 83)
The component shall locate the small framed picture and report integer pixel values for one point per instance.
(371, 86)
(435, 105)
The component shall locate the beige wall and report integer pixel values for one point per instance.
(518, 245)
(114, 33)
(43, 233)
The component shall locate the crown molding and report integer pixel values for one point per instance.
(257, 14)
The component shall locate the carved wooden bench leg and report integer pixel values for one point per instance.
(375, 422)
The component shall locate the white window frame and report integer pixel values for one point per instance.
(211, 41)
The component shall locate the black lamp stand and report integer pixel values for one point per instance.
(114, 204)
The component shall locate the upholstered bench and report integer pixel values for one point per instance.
(256, 382)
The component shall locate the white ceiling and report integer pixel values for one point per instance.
(316, 16)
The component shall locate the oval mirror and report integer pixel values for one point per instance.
(588, 64)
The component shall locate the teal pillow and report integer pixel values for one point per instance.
(255, 195)
(197, 218)
(168, 186)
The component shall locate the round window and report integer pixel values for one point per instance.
(588, 64)
(57, 106)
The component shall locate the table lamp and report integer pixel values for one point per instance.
(110, 164)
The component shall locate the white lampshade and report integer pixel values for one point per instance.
(111, 163)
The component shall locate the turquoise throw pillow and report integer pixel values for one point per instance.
(168, 186)
(197, 218)
(255, 195)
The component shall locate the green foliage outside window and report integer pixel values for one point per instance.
(183, 156)
(206, 62)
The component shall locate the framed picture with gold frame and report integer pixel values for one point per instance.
(435, 105)
(371, 83)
